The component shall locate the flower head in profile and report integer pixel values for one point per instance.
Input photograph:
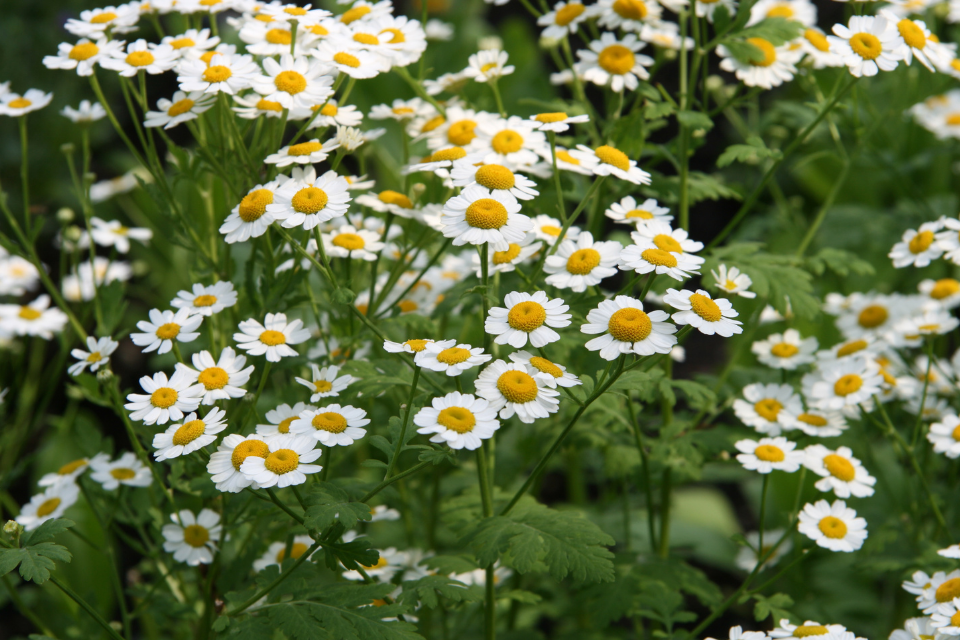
(732, 281)
(331, 425)
(16, 105)
(840, 472)
(550, 373)
(325, 382)
(702, 312)
(140, 55)
(126, 470)
(448, 357)
(83, 56)
(206, 300)
(97, 355)
(606, 161)
(628, 211)
(113, 233)
(47, 505)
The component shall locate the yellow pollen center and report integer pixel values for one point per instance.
(297, 549)
(769, 453)
(309, 200)
(247, 448)
(921, 242)
(346, 59)
(495, 176)
(19, 103)
(781, 11)
(395, 198)
(462, 133)
(282, 461)
(417, 345)
(381, 563)
(486, 213)
(397, 36)
(217, 73)
(705, 307)
(449, 154)
(269, 105)
(182, 43)
(83, 51)
(329, 421)
(123, 473)
(955, 620)
(354, 14)
(488, 66)
(295, 11)
(366, 38)
(866, 45)
(457, 419)
(453, 355)
(642, 214)
(253, 205)
(103, 18)
(508, 256)
(207, 56)
(348, 241)
(527, 316)
(507, 141)
(784, 350)
(769, 52)
(545, 366)
(630, 325)
(659, 257)
(768, 409)
(912, 34)
(279, 36)
(517, 387)
(872, 316)
(195, 535)
(839, 467)
(667, 242)
(304, 148)
(213, 378)
(817, 39)
(568, 14)
(140, 59)
(613, 157)
(206, 300)
(616, 59)
(851, 348)
(583, 261)
(945, 288)
(28, 313)
(164, 397)
(48, 507)
(70, 467)
(953, 119)
(168, 331)
(432, 124)
(322, 386)
(318, 30)
(180, 107)
(948, 590)
(290, 82)
(408, 306)
(272, 338)
(559, 116)
(847, 384)
(812, 420)
(284, 426)
(630, 9)
(566, 157)
(189, 432)
(330, 110)
(833, 527)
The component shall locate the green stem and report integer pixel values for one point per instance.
(277, 501)
(490, 605)
(822, 214)
(83, 604)
(400, 476)
(24, 609)
(24, 172)
(273, 585)
(406, 422)
(923, 396)
(561, 209)
(763, 512)
(665, 489)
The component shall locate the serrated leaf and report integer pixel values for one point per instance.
(695, 120)
(342, 295)
(428, 589)
(328, 503)
(350, 554)
(699, 397)
(751, 153)
(47, 531)
(841, 262)
(776, 31)
(775, 606)
(37, 555)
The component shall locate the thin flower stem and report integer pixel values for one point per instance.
(273, 585)
(419, 90)
(647, 480)
(253, 403)
(406, 423)
(400, 476)
(490, 604)
(277, 501)
(433, 260)
(484, 300)
(763, 510)
(83, 604)
(822, 214)
(666, 486)
(496, 96)
(24, 172)
(647, 285)
(561, 208)
(24, 609)
(923, 396)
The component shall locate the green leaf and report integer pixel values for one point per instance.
(644, 382)
(426, 591)
(695, 120)
(534, 537)
(328, 503)
(342, 295)
(775, 606)
(47, 531)
(841, 262)
(699, 397)
(350, 554)
(37, 555)
(750, 153)
(657, 110)
(700, 187)
(776, 31)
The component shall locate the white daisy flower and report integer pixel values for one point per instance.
(280, 419)
(480, 216)
(582, 263)
(307, 200)
(138, 56)
(229, 74)
(272, 338)
(917, 248)
(802, 11)
(94, 22)
(835, 527)
(769, 454)
(194, 433)
(731, 281)
(68, 473)
(564, 19)
(410, 346)
(945, 292)
(48, 505)
(224, 464)
(296, 83)
(614, 63)
(845, 383)
(525, 317)
(659, 235)
(571, 160)
(871, 315)
(192, 538)
(505, 261)
(332, 115)
(97, 356)
(705, 314)
(627, 328)
(816, 49)
(17, 275)
(273, 38)
(191, 41)
(512, 142)
(388, 201)
(494, 177)
(936, 590)
(217, 379)
(646, 257)
(206, 300)
(349, 242)
(401, 110)
(331, 425)
(945, 436)
(627, 211)
(511, 389)
(821, 424)
(550, 373)
(449, 357)
(548, 230)
(36, 318)
(309, 152)
(388, 565)
(459, 420)
(557, 121)
(346, 57)
(114, 234)
(325, 382)
(254, 106)
(945, 620)
(277, 12)
(401, 39)
(628, 15)
(809, 628)
(438, 30)
(840, 471)
(276, 553)
(916, 38)
(868, 45)
(168, 399)
(787, 350)
(82, 56)
(606, 160)
(773, 67)
(487, 65)
(125, 470)
(164, 327)
(250, 218)
(287, 462)
(381, 513)
(182, 108)
(953, 551)
(769, 408)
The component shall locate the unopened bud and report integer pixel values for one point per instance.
(116, 625)
(417, 190)
(714, 83)
(67, 147)
(104, 375)
(74, 392)
(65, 215)
(549, 43)
(490, 43)
(72, 233)
(13, 529)
(140, 268)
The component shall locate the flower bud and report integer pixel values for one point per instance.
(65, 215)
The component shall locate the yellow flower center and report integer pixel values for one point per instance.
(48, 507)
(432, 124)
(953, 119)
(180, 107)
(348, 241)
(403, 111)
(304, 148)
(28, 313)
(397, 36)
(613, 157)
(282, 461)
(667, 242)
(545, 366)
(189, 432)
(948, 590)
(630, 9)
(195, 535)
(457, 419)
(381, 563)
(921, 242)
(269, 105)
(330, 110)
(462, 133)
(449, 154)
(366, 38)
(784, 350)
(103, 18)
(866, 45)
(705, 307)
(408, 306)
(164, 397)
(488, 66)
(322, 386)
(568, 14)
(872, 316)
(272, 338)
(630, 325)
(955, 620)
(290, 82)
(19, 103)
(123, 473)
(781, 11)
(217, 73)
(817, 39)
(346, 59)
(833, 527)
(213, 378)
(505, 257)
(354, 14)
(659, 257)
(851, 348)
(766, 47)
(847, 384)
(252, 206)
(182, 43)
(168, 331)
(558, 116)
(812, 420)
(206, 300)
(309, 200)
(486, 213)
(395, 198)
(768, 409)
(839, 467)
(140, 59)
(566, 157)
(319, 30)
(295, 11)
(279, 36)
(583, 261)
(453, 355)
(769, 453)
(945, 288)
(616, 59)
(495, 176)
(417, 345)
(70, 467)
(507, 141)
(527, 316)
(83, 51)
(207, 56)
(517, 387)
(642, 214)
(284, 426)
(329, 421)
(297, 549)
(551, 230)
(912, 34)
(247, 448)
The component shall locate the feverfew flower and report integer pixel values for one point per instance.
(525, 317)
(169, 399)
(769, 408)
(846, 383)
(583, 263)
(835, 527)
(217, 379)
(945, 436)
(550, 373)
(917, 248)
(331, 425)
(113, 233)
(325, 382)
(295, 83)
(511, 388)
(48, 505)
(606, 160)
(785, 350)
(192, 538)
(349, 242)
(15, 105)
(309, 152)
(461, 421)
(153, 59)
(868, 45)
(206, 300)
(250, 218)
(563, 20)
(164, 327)
(98, 355)
(224, 464)
(840, 472)
(627, 211)
(125, 470)
(272, 338)
(480, 216)
(194, 433)
(769, 454)
(223, 72)
(627, 328)
(557, 121)
(94, 22)
(68, 473)
(276, 553)
(702, 312)
(488, 65)
(286, 464)
(449, 357)
(82, 56)
(307, 200)
(733, 282)
(34, 319)
(614, 63)
(775, 65)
